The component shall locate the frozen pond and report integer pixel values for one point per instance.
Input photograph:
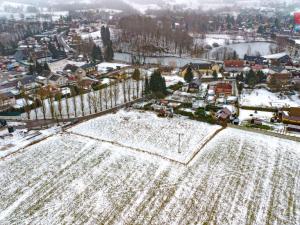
(162, 60)
(252, 48)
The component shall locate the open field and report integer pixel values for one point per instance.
(265, 98)
(146, 132)
(237, 178)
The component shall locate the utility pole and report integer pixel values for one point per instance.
(179, 137)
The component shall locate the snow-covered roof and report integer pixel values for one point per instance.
(275, 56)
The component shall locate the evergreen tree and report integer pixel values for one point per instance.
(261, 77)
(97, 54)
(188, 76)
(46, 66)
(251, 78)
(158, 84)
(215, 75)
(137, 76)
(109, 52)
(38, 67)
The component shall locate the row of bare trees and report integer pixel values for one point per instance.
(80, 104)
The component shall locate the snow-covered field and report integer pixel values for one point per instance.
(146, 132)
(10, 143)
(237, 178)
(265, 98)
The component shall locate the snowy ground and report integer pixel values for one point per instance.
(60, 65)
(265, 98)
(174, 79)
(10, 143)
(238, 178)
(146, 132)
(246, 115)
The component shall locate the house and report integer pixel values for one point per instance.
(70, 68)
(80, 74)
(223, 114)
(6, 101)
(278, 80)
(223, 89)
(251, 60)
(57, 80)
(203, 68)
(293, 116)
(234, 65)
(87, 83)
(89, 68)
(194, 85)
(279, 58)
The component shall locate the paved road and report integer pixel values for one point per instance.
(61, 40)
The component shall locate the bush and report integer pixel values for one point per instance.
(184, 113)
(263, 127)
(212, 108)
(176, 87)
(186, 105)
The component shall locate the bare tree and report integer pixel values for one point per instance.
(106, 97)
(94, 101)
(67, 107)
(43, 95)
(129, 90)
(90, 102)
(59, 101)
(111, 95)
(116, 92)
(74, 102)
(100, 99)
(124, 90)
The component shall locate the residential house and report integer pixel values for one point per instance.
(234, 65)
(6, 101)
(57, 80)
(203, 68)
(89, 68)
(223, 115)
(292, 119)
(194, 85)
(277, 59)
(252, 60)
(223, 89)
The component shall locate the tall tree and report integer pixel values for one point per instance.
(215, 75)
(136, 76)
(97, 54)
(158, 84)
(188, 76)
(109, 52)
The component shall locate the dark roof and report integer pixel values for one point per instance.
(45, 73)
(277, 69)
(198, 66)
(54, 77)
(88, 65)
(71, 67)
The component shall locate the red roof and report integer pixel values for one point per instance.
(234, 63)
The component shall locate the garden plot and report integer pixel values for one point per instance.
(265, 98)
(238, 178)
(149, 133)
